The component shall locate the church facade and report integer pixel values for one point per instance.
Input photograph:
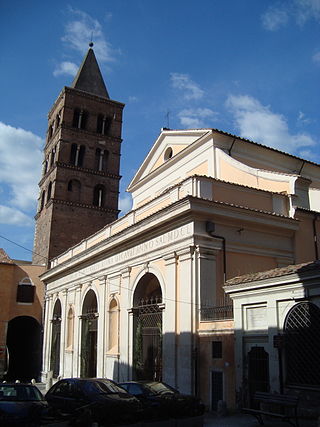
(143, 297)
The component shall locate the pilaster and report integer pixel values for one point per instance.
(169, 326)
(185, 318)
(101, 338)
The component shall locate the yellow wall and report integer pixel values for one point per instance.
(229, 172)
(243, 197)
(239, 264)
(304, 239)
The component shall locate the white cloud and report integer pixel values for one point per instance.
(300, 11)
(257, 122)
(302, 119)
(306, 10)
(20, 164)
(196, 117)
(81, 30)
(125, 203)
(308, 155)
(13, 216)
(66, 67)
(183, 82)
(316, 57)
(274, 18)
(133, 99)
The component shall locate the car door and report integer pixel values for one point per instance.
(56, 396)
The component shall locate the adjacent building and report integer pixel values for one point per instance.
(277, 337)
(21, 318)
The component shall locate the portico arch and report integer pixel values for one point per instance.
(147, 328)
(24, 348)
(55, 339)
(89, 333)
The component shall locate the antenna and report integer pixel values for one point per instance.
(168, 119)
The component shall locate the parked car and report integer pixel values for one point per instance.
(160, 398)
(21, 404)
(86, 400)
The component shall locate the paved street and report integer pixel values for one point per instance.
(242, 420)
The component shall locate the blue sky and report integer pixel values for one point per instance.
(249, 67)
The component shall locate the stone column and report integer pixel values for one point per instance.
(101, 327)
(64, 315)
(185, 320)
(77, 332)
(46, 337)
(169, 323)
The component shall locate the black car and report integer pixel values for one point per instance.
(165, 401)
(21, 404)
(86, 400)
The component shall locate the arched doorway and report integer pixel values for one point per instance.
(89, 332)
(302, 345)
(55, 339)
(24, 348)
(147, 329)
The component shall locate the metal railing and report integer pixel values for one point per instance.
(224, 312)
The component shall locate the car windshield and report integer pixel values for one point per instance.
(19, 392)
(160, 388)
(107, 387)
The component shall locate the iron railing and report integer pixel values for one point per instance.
(224, 312)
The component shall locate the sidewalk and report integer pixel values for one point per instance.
(243, 420)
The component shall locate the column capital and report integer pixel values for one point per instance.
(125, 272)
(170, 258)
(205, 252)
(185, 253)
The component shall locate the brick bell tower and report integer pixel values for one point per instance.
(79, 188)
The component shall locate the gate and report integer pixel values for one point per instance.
(89, 328)
(147, 349)
(302, 345)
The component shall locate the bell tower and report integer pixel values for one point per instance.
(79, 187)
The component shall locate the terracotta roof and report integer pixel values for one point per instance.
(276, 272)
(4, 258)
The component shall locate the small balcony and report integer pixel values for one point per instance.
(222, 312)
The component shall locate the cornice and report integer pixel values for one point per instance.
(70, 90)
(87, 170)
(180, 212)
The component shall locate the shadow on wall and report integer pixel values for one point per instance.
(170, 358)
(283, 359)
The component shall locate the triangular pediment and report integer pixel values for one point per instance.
(168, 145)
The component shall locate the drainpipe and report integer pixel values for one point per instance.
(230, 149)
(210, 228)
(315, 235)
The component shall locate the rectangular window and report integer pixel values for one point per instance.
(25, 293)
(217, 349)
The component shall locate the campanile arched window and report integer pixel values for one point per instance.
(79, 118)
(99, 196)
(49, 191)
(77, 155)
